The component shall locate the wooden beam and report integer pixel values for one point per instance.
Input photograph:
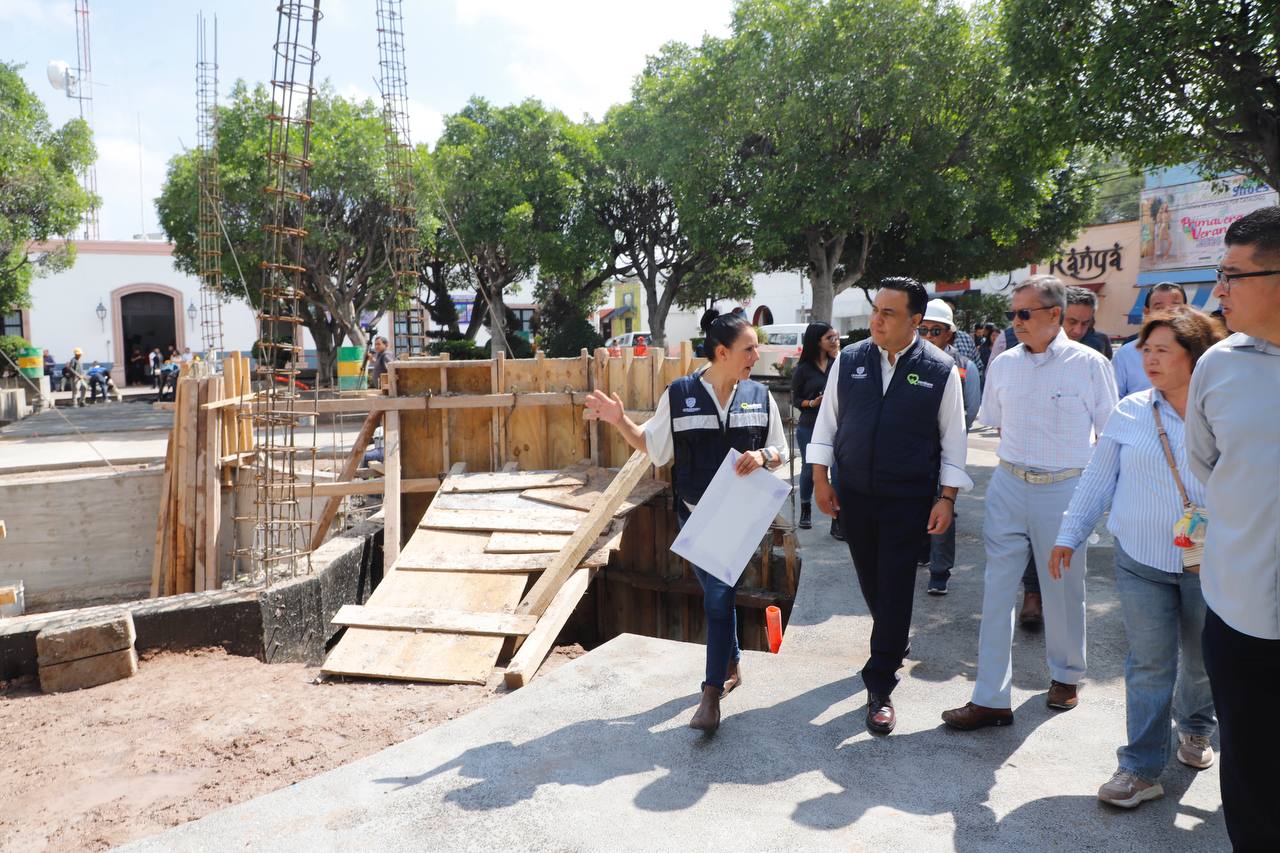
(363, 437)
(434, 620)
(370, 487)
(527, 660)
(391, 493)
(540, 596)
(500, 481)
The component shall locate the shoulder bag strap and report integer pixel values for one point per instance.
(1168, 454)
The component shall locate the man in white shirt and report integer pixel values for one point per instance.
(1047, 396)
(893, 415)
(1127, 361)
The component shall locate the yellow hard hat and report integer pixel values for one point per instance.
(77, 351)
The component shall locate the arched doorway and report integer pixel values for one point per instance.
(145, 316)
(763, 316)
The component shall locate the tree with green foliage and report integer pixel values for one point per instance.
(347, 217)
(1163, 82)
(41, 198)
(511, 185)
(836, 130)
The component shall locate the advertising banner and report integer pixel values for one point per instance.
(1183, 226)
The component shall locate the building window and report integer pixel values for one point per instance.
(11, 324)
(628, 299)
(627, 324)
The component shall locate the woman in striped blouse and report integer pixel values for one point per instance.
(1161, 604)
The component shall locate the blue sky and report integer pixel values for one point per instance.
(577, 55)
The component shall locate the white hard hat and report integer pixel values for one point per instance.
(939, 310)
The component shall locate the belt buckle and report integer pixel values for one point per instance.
(1039, 478)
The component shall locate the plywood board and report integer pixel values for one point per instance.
(526, 427)
(470, 437)
(452, 658)
(565, 425)
(437, 620)
(499, 481)
(588, 495)
(525, 543)
(547, 520)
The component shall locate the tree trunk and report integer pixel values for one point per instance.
(498, 323)
(326, 353)
(824, 294)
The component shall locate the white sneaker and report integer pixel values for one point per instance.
(1127, 790)
(1195, 750)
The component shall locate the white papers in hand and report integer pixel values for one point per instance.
(729, 521)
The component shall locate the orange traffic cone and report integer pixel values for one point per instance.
(773, 626)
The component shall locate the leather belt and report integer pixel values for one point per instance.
(1040, 478)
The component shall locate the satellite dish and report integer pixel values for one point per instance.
(59, 73)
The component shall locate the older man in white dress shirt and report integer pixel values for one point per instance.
(1047, 396)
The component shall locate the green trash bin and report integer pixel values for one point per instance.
(31, 362)
(350, 376)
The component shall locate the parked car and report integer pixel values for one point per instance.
(626, 340)
(781, 341)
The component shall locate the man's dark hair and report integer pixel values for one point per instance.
(917, 296)
(1260, 229)
(1163, 286)
(1082, 296)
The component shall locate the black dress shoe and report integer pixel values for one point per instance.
(880, 716)
(806, 516)
(836, 532)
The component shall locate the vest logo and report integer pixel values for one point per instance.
(914, 379)
(749, 406)
(690, 403)
(860, 372)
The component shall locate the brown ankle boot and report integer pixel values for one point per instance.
(707, 717)
(732, 678)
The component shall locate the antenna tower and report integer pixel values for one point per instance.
(84, 96)
(281, 533)
(410, 326)
(209, 233)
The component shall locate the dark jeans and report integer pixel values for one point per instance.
(804, 434)
(942, 551)
(1243, 672)
(884, 536)
(718, 602)
(1030, 579)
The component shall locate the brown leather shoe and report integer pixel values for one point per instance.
(1032, 615)
(880, 716)
(973, 716)
(707, 717)
(732, 678)
(1062, 697)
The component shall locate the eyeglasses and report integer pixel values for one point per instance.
(1225, 278)
(934, 331)
(1024, 314)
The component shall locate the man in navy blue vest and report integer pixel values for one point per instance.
(892, 419)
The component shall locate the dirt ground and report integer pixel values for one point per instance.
(190, 734)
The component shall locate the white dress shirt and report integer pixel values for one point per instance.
(657, 430)
(1234, 448)
(1047, 405)
(951, 422)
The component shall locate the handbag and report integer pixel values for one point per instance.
(1189, 532)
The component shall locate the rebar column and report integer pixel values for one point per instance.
(281, 530)
(208, 229)
(409, 317)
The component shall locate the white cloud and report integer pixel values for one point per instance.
(582, 55)
(425, 122)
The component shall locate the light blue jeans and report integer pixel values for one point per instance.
(1161, 611)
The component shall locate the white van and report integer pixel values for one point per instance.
(626, 340)
(781, 341)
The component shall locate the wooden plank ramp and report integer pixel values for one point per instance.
(448, 607)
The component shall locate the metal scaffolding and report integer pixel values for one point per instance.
(281, 539)
(84, 94)
(410, 318)
(208, 228)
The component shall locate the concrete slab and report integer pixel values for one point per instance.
(597, 756)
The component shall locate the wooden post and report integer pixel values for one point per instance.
(213, 489)
(201, 485)
(391, 489)
(497, 434)
(444, 420)
(158, 561)
(686, 357)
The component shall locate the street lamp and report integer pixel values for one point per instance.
(191, 313)
(101, 311)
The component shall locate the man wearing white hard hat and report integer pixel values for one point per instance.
(939, 328)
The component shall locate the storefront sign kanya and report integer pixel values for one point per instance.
(1088, 263)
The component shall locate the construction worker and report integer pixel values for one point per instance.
(99, 380)
(641, 347)
(696, 423)
(73, 379)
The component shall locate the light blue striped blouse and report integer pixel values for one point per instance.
(1129, 473)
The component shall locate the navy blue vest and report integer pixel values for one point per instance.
(699, 440)
(889, 444)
